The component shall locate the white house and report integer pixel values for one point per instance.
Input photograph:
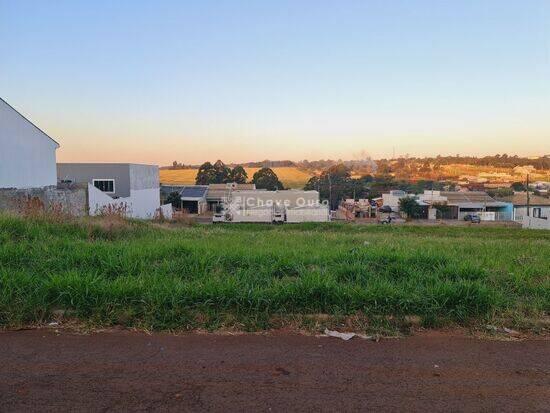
(27, 154)
(392, 198)
(131, 186)
(539, 206)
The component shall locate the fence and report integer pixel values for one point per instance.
(70, 200)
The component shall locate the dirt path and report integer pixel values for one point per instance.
(121, 371)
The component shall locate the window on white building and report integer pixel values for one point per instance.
(105, 185)
(537, 212)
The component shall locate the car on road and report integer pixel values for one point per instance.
(473, 218)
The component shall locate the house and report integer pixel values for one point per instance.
(132, 187)
(27, 154)
(391, 201)
(392, 198)
(455, 205)
(166, 190)
(193, 199)
(480, 203)
(539, 207)
(202, 198)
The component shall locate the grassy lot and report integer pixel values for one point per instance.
(138, 274)
(290, 176)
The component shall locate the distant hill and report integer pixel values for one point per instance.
(497, 168)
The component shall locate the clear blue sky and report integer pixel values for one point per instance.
(194, 81)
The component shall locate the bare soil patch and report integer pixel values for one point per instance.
(41, 370)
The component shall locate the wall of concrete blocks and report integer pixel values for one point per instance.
(71, 200)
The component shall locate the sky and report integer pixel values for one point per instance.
(157, 81)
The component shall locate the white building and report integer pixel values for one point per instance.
(120, 185)
(539, 206)
(392, 198)
(27, 154)
(275, 206)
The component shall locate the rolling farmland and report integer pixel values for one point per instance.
(290, 176)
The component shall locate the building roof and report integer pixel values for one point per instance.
(468, 196)
(193, 192)
(471, 199)
(232, 185)
(521, 199)
(168, 189)
(218, 192)
(40, 130)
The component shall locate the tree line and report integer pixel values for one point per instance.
(220, 173)
(336, 183)
(405, 164)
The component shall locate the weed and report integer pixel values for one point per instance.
(111, 270)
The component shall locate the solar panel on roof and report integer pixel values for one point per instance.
(193, 191)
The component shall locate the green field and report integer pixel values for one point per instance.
(253, 276)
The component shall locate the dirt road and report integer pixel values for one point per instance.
(122, 371)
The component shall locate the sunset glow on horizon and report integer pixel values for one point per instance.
(149, 83)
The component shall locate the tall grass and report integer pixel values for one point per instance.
(205, 276)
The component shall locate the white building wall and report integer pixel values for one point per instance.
(142, 203)
(253, 215)
(318, 214)
(521, 211)
(392, 198)
(167, 211)
(535, 223)
(98, 200)
(290, 198)
(432, 197)
(27, 155)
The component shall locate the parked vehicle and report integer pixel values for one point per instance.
(386, 220)
(220, 214)
(472, 218)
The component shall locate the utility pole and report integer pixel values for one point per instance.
(329, 191)
(528, 200)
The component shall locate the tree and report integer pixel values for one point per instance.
(443, 211)
(367, 179)
(335, 184)
(239, 175)
(222, 173)
(265, 178)
(174, 199)
(338, 171)
(384, 167)
(380, 185)
(518, 186)
(206, 174)
(409, 206)
(177, 165)
(218, 173)
(501, 192)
